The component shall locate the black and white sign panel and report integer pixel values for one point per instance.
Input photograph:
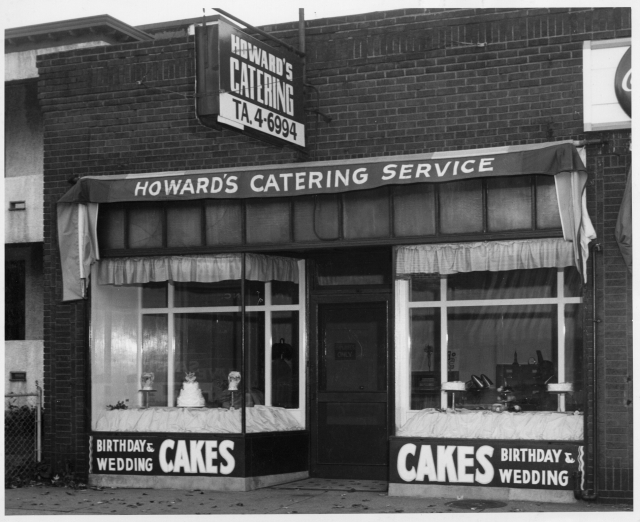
(258, 87)
(489, 463)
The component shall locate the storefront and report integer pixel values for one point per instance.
(367, 346)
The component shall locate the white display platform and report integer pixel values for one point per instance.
(197, 420)
(473, 424)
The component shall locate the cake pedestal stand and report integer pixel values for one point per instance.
(561, 394)
(561, 403)
(451, 388)
(145, 397)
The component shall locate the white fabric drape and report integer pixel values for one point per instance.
(78, 243)
(201, 269)
(494, 256)
(468, 424)
(189, 420)
(576, 224)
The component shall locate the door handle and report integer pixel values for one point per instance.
(362, 387)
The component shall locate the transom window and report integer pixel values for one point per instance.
(515, 205)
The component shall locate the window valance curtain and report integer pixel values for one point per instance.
(201, 269)
(494, 256)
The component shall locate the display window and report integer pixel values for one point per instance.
(490, 340)
(195, 356)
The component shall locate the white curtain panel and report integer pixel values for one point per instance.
(201, 269)
(493, 256)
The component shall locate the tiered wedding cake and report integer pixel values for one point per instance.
(190, 395)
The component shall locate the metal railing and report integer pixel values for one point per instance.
(22, 433)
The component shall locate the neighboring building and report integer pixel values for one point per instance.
(426, 245)
(23, 183)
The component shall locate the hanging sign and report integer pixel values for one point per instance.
(489, 463)
(162, 454)
(248, 85)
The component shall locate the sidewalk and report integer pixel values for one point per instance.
(46, 500)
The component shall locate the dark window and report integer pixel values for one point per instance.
(414, 210)
(509, 203)
(366, 213)
(461, 207)
(111, 227)
(317, 218)
(145, 226)
(14, 300)
(547, 211)
(223, 221)
(184, 224)
(268, 221)
(363, 268)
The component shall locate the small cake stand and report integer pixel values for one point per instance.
(452, 387)
(561, 388)
(145, 397)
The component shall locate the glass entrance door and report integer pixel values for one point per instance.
(349, 406)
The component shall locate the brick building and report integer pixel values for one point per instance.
(390, 91)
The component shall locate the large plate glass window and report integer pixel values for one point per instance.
(505, 334)
(514, 330)
(176, 330)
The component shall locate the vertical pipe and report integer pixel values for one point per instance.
(444, 363)
(303, 350)
(140, 401)
(171, 349)
(243, 358)
(268, 343)
(302, 43)
(594, 420)
(391, 350)
(561, 336)
(38, 423)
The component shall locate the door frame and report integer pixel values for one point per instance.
(316, 299)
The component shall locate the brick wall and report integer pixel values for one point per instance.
(397, 82)
(608, 164)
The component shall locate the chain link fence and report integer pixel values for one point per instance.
(22, 434)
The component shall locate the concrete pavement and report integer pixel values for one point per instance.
(47, 500)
